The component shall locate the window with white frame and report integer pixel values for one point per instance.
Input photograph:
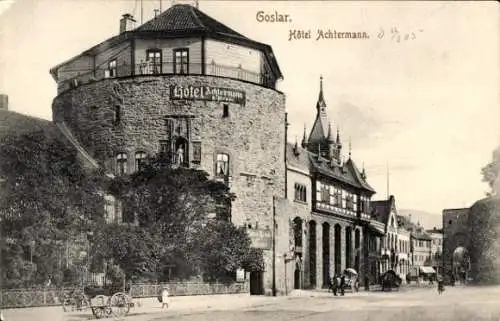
(121, 164)
(112, 68)
(300, 192)
(140, 160)
(222, 165)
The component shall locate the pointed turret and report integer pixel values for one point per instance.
(363, 173)
(329, 136)
(338, 138)
(321, 104)
(350, 147)
(304, 138)
(319, 131)
(296, 147)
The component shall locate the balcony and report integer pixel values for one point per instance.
(167, 68)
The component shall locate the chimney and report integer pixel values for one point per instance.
(4, 102)
(127, 23)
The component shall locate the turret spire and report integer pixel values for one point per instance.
(329, 136)
(350, 147)
(363, 173)
(321, 105)
(304, 138)
(338, 138)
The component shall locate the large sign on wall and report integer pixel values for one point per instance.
(207, 93)
(261, 239)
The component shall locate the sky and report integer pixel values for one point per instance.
(425, 107)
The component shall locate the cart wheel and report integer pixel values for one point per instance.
(99, 312)
(119, 304)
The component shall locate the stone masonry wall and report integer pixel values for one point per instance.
(252, 135)
(455, 231)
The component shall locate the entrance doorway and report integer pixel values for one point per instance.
(296, 277)
(256, 283)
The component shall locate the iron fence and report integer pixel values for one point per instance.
(36, 297)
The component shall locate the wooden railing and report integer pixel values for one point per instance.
(167, 68)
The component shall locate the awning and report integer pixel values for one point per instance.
(377, 230)
(427, 270)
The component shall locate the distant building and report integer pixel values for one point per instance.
(421, 252)
(436, 249)
(396, 242)
(330, 204)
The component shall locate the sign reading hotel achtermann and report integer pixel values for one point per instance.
(207, 93)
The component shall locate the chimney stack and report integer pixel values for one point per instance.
(127, 23)
(4, 102)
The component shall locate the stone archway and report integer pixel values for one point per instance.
(312, 253)
(338, 251)
(460, 264)
(326, 253)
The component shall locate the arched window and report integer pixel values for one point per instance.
(300, 192)
(140, 160)
(121, 164)
(222, 165)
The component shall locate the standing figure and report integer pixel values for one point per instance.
(180, 155)
(342, 284)
(335, 285)
(164, 298)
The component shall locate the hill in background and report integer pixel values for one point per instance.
(427, 220)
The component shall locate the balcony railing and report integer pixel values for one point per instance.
(168, 68)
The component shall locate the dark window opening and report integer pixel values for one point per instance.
(181, 61)
(300, 192)
(140, 160)
(112, 69)
(117, 118)
(121, 164)
(153, 61)
(222, 165)
(225, 110)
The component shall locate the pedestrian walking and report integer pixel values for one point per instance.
(342, 285)
(165, 298)
(335, 285)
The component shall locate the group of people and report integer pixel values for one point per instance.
(338, 282)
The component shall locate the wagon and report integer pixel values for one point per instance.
(108, 301)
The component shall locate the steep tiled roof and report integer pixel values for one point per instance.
(182, 20)
(187, 19)
(381, 210)
(305, 160)
(347, 174)
(297, 157)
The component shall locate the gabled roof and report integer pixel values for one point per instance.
(186, 19)
(297, 157)
(181, 20)
(348, 174)
(381, 210)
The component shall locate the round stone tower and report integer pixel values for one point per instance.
(185, 85)
(484, 226)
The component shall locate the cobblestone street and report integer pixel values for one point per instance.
(457, 303)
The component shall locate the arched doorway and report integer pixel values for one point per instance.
(312, 253)
(297, 232)
(357, 247)
(348, 247)
(460, 264)
(326, 254)
(297, 276)
(181, 151)
(338, 251)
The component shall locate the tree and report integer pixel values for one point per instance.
(491, 172)
(47, 198)
(175, 231)
(220, 248)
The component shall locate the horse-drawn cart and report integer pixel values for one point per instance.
(108, 301)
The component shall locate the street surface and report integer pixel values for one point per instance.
(457, 303)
